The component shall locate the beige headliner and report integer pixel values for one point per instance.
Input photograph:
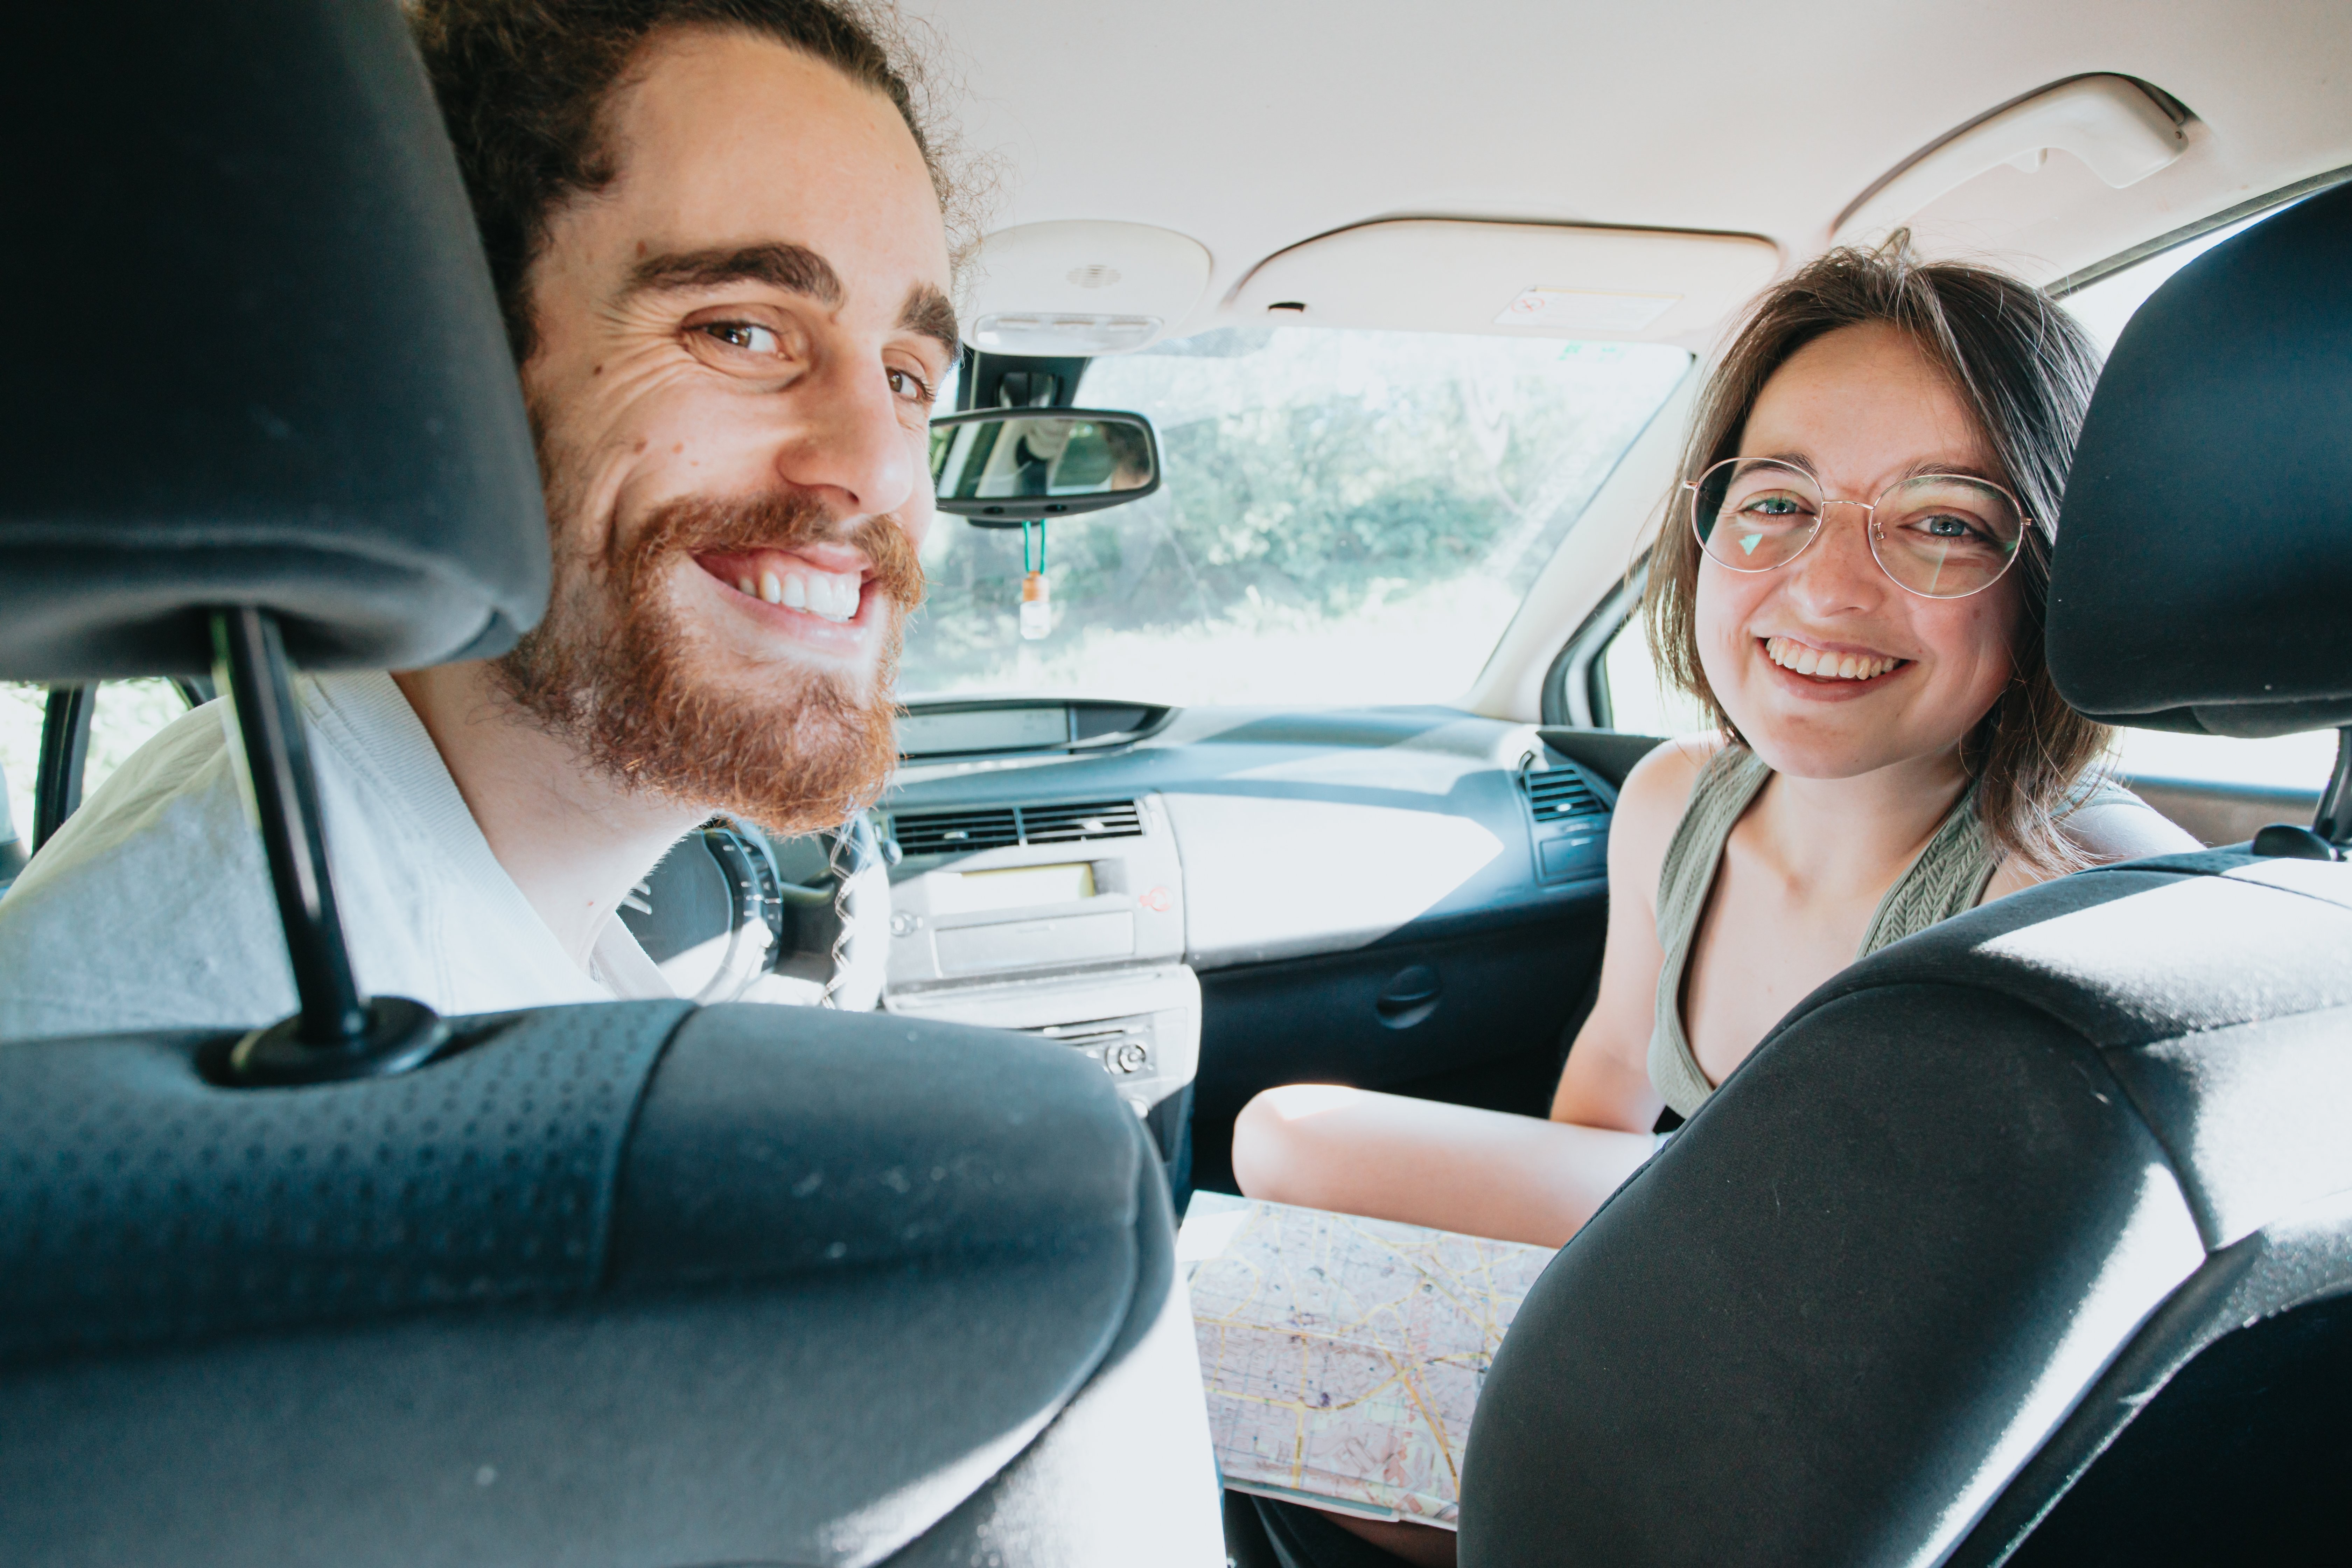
(1252, 126)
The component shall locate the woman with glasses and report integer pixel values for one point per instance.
(1849, 581)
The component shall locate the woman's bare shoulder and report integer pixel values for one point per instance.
(1659, 785)
(2117, 825)
(1650, 802)
(2120, 825)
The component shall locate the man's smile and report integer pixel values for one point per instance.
(789, 581)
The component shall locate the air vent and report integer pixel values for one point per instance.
(1068, 823)
(1561, 794)
(955, 832)
(962, 832)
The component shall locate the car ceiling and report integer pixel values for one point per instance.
(1252, 128)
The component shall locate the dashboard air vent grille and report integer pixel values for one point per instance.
(1559, 793)
(962, 832)
(1091, 819)
(955, 832)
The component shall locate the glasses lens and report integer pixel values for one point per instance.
(1945, 536)
(1753, 514)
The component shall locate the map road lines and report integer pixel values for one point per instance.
(1342, 1357)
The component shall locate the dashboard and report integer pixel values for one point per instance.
(1104, 872)
(1283, 833)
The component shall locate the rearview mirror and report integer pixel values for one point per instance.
(999, 467)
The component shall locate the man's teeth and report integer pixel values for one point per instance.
(829, 596)
(1790, 653)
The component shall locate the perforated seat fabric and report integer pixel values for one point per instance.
(265, 366)
(624, 1284)
(1963, 1213)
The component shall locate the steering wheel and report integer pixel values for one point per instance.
(731, 915)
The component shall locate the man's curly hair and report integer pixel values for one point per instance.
(523, 86)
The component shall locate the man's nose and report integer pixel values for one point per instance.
(848, 437)
(1839, 573)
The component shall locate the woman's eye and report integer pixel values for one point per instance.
(748, 337)
(906, 384)
(1945, 527)
(1774, 506)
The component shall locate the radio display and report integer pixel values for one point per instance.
(1015, 888)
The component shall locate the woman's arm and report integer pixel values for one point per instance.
(1606, 1081)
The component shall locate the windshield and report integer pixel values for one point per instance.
(1346, 517)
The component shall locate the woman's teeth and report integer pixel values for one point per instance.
(1790, 653)
(829, 596)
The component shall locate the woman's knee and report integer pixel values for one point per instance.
(1279, 1149)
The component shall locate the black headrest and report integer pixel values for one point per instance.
(2203, 574)
(252, 354)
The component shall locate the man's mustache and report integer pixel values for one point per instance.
(696, 525)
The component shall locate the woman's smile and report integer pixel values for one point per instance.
(1831, 664)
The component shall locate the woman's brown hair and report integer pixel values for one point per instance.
(2025, 369)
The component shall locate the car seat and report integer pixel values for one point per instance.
(2030, 1238)
(631, 1284)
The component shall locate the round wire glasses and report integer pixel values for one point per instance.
(1940, 536)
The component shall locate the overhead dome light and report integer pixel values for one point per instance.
(1059, 334)
(1080, 286)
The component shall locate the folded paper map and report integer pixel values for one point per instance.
(1343, 1356)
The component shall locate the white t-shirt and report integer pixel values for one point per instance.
(152, 907)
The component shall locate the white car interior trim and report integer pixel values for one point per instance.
(1518, 279)
(2111, 123)
(1252, 128)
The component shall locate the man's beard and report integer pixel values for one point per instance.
(644, 693)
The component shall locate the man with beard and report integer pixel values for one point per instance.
(715, 228)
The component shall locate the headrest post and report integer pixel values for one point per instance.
(2334, 822)
(249, 665)
(337, 1034)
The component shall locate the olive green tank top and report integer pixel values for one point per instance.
(1948, 877)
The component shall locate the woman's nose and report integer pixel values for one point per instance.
(1839, 573)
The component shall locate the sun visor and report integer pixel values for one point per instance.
(1554, 280)
(1080, 287)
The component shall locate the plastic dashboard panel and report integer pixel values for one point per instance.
(1312, 833)
(1358, 891)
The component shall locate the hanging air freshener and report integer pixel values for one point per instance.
(1037, 595)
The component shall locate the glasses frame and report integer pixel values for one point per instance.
(1870, 530)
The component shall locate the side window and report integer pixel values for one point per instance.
(128, 715)
(2223, 791)
(123, 717)
(1639, 703)
(21, 704)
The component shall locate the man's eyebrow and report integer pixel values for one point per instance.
(929, 312)
(794, 268)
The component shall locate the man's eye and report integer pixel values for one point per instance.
(747, 336)
(906, 384)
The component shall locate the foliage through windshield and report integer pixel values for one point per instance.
(1346, 517)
